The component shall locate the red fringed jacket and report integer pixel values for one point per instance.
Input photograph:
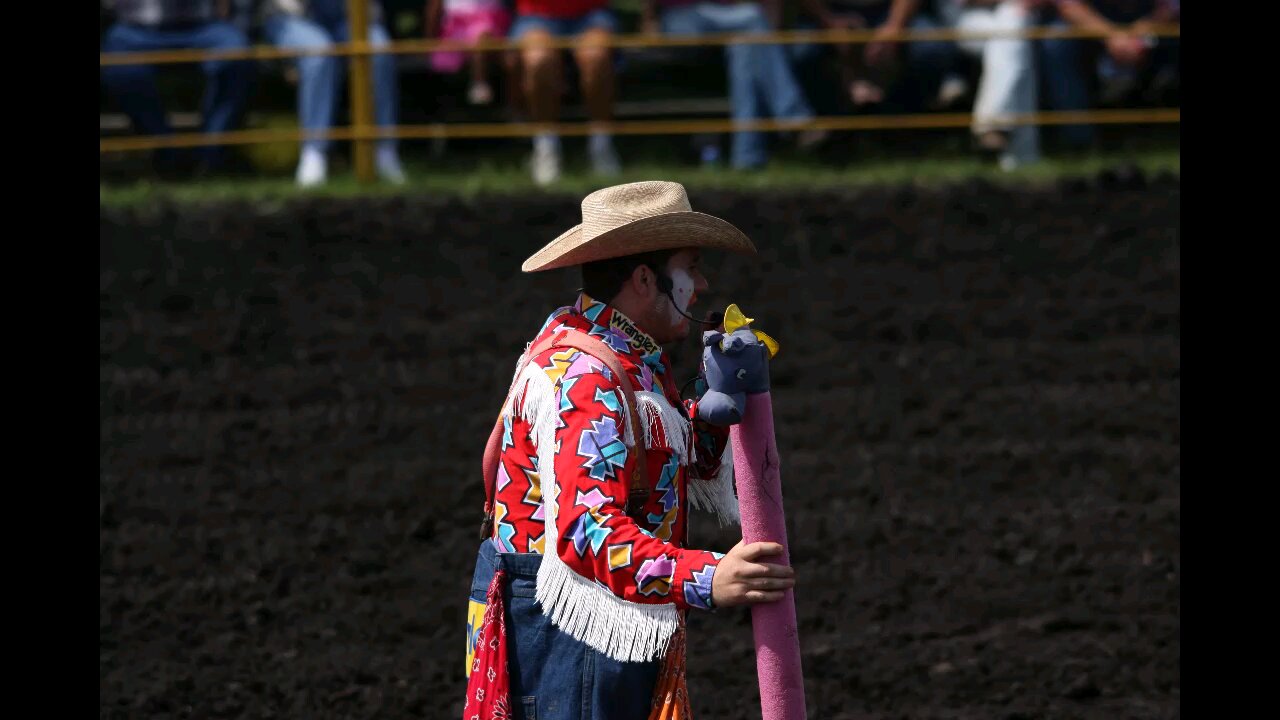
(562, 487)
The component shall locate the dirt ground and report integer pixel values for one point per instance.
(977, 405)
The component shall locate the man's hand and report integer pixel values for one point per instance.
(1127, 49)
(741, 579)
(1143, 27)
(881, 50)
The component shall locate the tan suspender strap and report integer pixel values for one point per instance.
(639, 487)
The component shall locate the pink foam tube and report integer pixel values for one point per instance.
(755, 467)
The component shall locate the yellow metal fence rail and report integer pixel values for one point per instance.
(635, 127)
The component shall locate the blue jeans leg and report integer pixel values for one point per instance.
(134, 86)
(386, 91)
(553, 675)
(1063, 82)
(317, 74)
(749, 149)
(760, 76)
(928, 61)
(226, 81)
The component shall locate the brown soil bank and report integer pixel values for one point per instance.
(978, 412)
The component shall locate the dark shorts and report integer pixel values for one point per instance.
(564, 27)
(554, 676)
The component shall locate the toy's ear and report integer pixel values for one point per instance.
(769, 342)
(734, 318)
(711, 338)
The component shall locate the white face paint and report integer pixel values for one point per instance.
(682, 292)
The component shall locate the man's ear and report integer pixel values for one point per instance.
(644, 282)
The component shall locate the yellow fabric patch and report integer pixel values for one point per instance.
(475, 617)
(619, 556)
(560, 362)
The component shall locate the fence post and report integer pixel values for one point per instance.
(361, 88)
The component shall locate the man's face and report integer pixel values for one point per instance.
(668, 324)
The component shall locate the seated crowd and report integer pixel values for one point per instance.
(1013, 76)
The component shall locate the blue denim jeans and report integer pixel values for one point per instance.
(761, 83)
(134, 86)
(600, 19)
(320, 77)
(926, 61)
(554, 676)
(1063, 82)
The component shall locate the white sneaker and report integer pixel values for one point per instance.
(952, 89)
(604, 160)
(546, 165)
(312, 168)
(480, 94)
(1010, 161)
(388, 166)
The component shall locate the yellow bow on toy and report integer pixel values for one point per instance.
(735, 319)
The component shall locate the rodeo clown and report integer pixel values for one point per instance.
(583, 578)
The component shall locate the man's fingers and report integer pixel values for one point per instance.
(780, 571)
(762, 596)
(771, 584)
(760, 570)
(757, 550)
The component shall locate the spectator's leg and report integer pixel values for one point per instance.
(480, 92)
(849, 58)
(386, 99)
(317, 89)
(1065, 84)
(513, 79)
(386, 89)
(592, 55)
(317, 75)
(685, 20)
(775, 80)
(596, 69)
(1163, 75)
(227, 82)
(759, 76)
(804, 52)
(1008, 79)
(542, 73)
(134, 86)
(928, 61)
(386, 86)
(386, 107)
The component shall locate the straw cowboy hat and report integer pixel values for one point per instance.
(637, 218)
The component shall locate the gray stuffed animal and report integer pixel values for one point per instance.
(734, 363)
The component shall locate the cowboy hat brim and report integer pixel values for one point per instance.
(668, 231)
